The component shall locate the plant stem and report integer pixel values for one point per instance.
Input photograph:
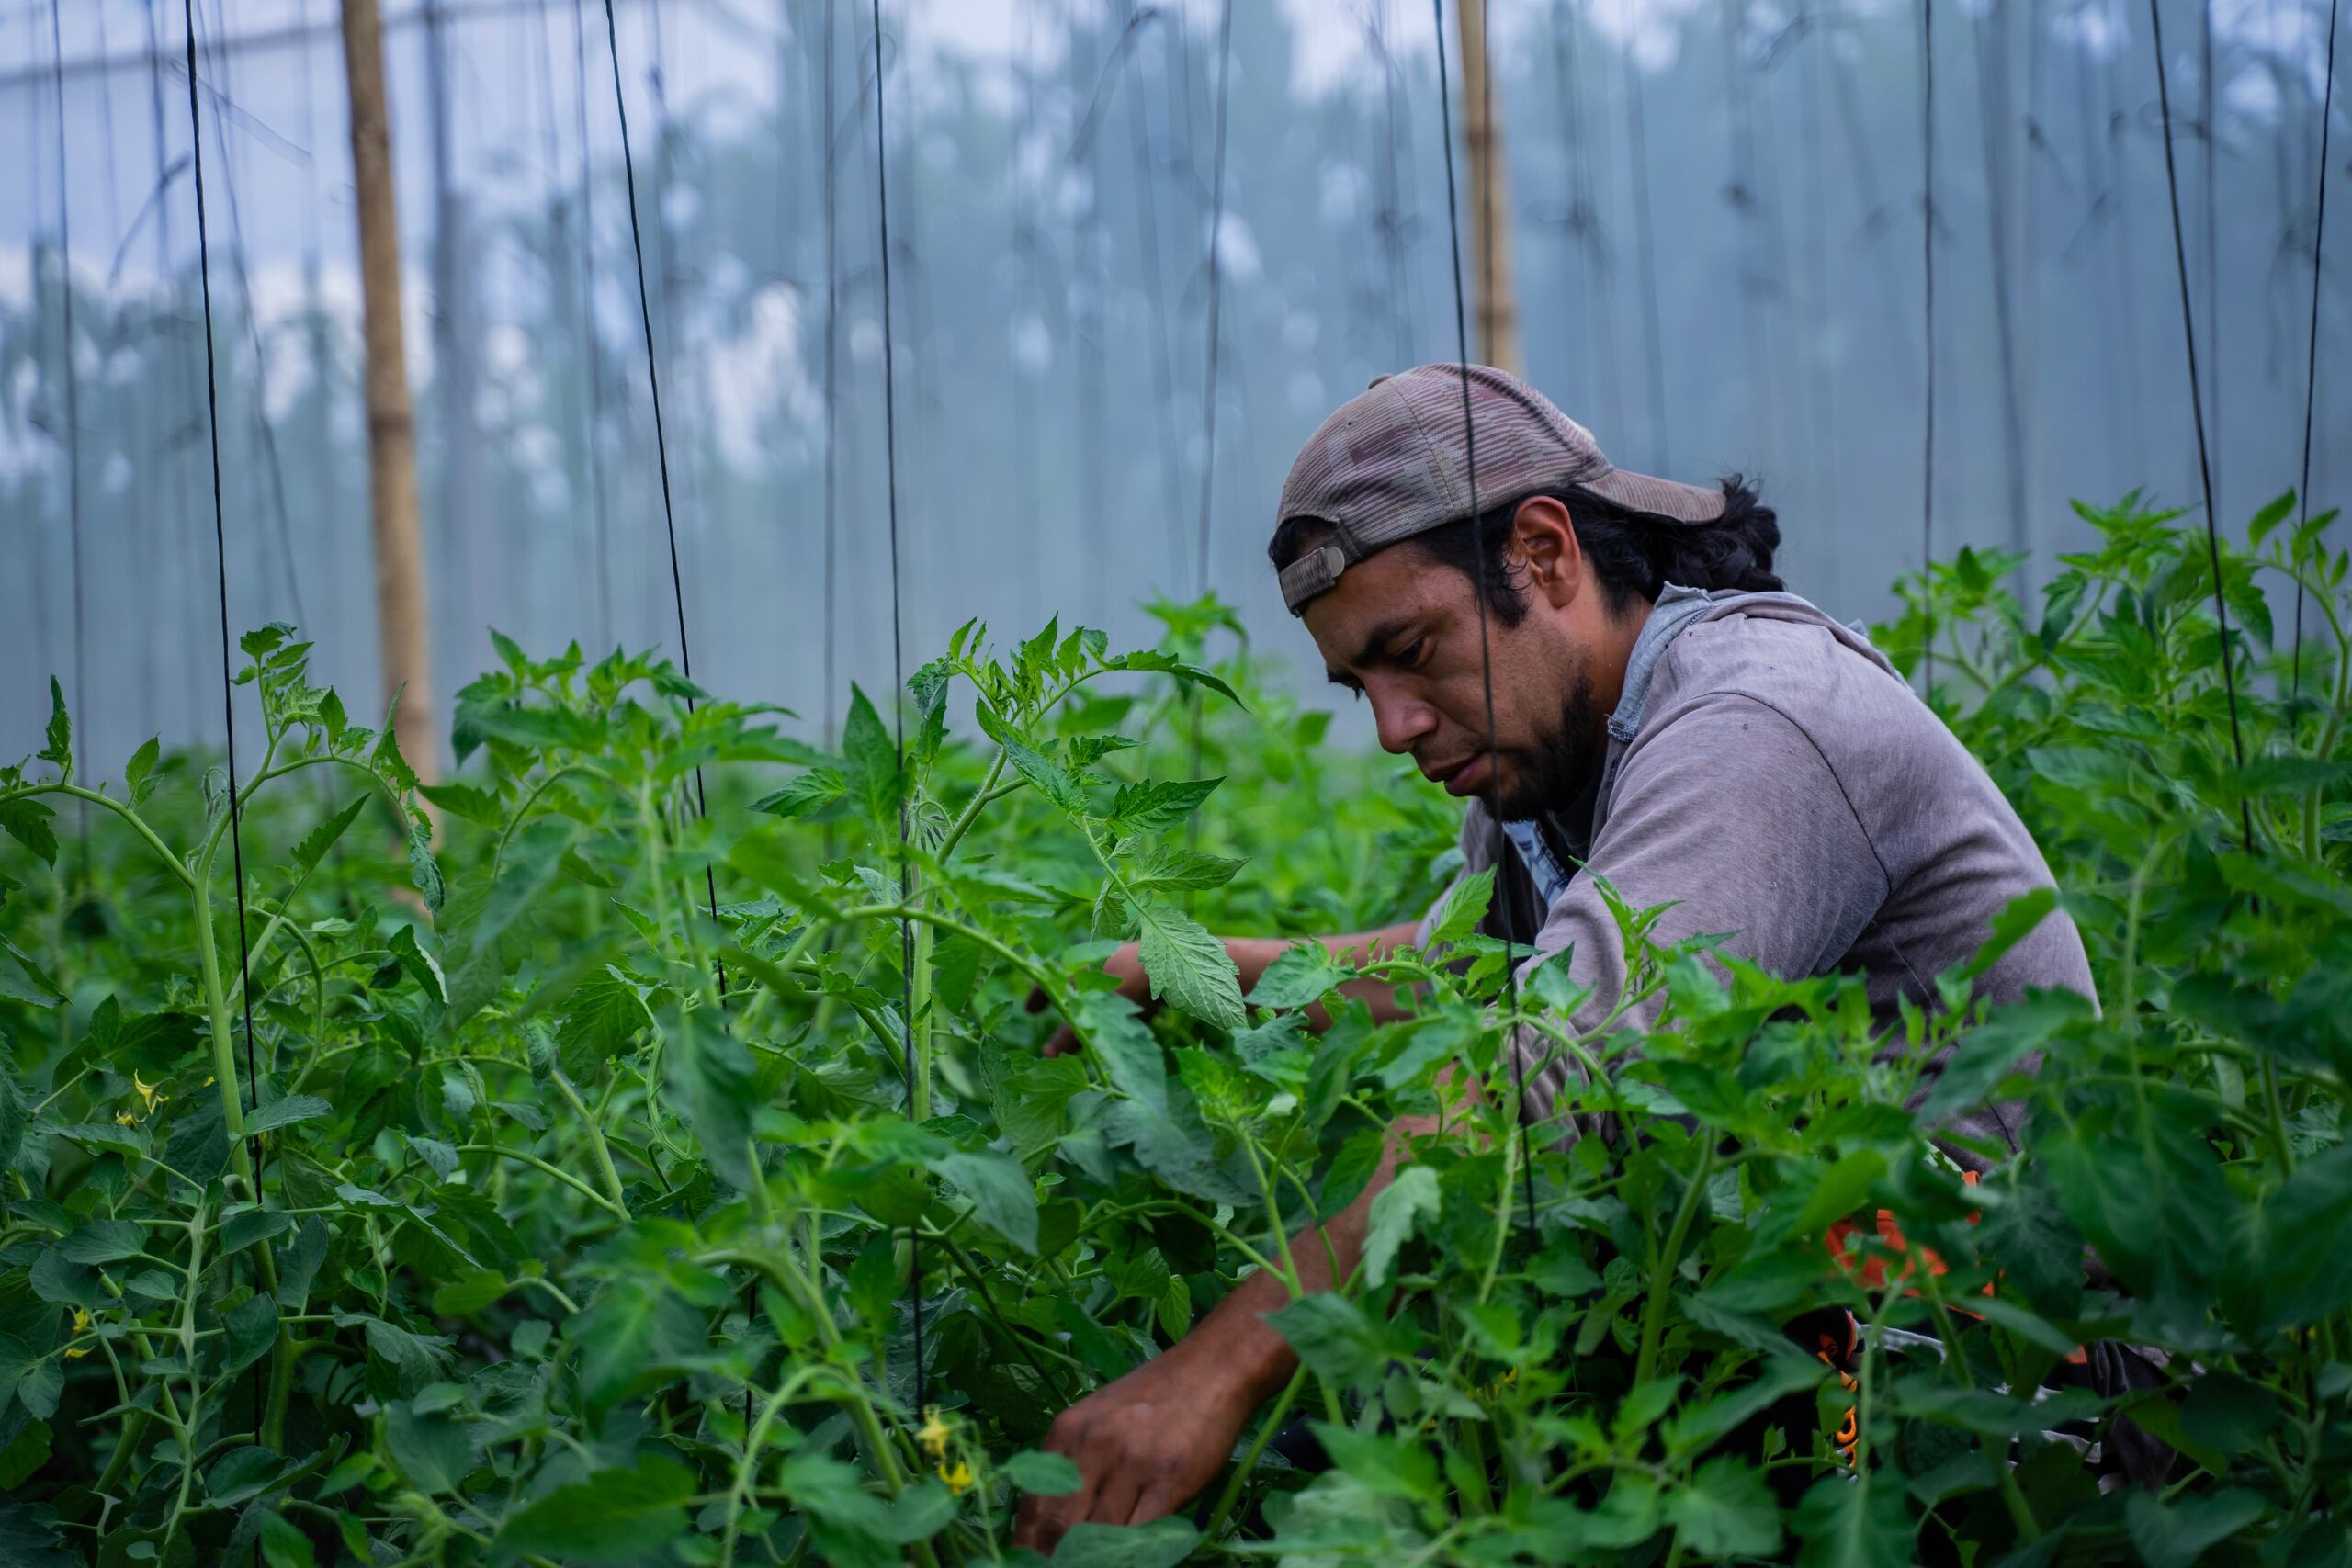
(1266, 1431)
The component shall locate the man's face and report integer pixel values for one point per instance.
(1402, 630)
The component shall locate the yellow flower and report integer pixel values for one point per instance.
(81, 1325)
(125, 1119)
(147, 1091)
(209, 1080)
(959, 1480)
(933, 1433)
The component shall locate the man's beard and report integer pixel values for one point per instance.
(1563, 762)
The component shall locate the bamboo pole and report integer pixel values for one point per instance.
(1482, 121)
(392, 425)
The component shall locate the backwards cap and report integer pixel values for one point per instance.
(1394, 461)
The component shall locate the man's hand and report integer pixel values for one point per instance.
(1250, 958)
(1145, 1446)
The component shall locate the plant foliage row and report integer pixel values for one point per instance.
(538, 1216)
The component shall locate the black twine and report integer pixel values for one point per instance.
(660, 448)
(2197, 412)
(898, 663)
(74, 400)
(591, 359)
(2311, 362)
(220, 559)
(1217, 279)
(1478, 539)
(1928, 270)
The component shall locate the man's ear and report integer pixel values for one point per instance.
(1545, 541)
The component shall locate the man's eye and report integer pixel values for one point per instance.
(1410, 657)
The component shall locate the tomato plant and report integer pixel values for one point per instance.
(604, 1179)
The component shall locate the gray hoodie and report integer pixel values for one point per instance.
(1772, 776)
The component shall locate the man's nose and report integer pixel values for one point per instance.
(1401, 722)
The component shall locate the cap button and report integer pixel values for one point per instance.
(1376, 380)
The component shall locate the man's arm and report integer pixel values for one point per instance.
(1146, 1444)
(1251, 954)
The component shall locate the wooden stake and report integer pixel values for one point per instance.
(392, 425)
(1482, 122)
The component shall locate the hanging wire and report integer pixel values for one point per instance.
(1637, 151)
(228, 703)
(2197, 412)
(1928, 273)
(897, 660)
(1217, 279)
(1478, 541)
(72, 403)
(271, 469)
(591, 355)
(1164, 373)
(2310, 358)
(660, 445)
(832, 405)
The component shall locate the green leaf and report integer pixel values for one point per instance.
(470, 802)
(27, 821)
(2274, 512)
(1300, 974)
(1409, 1200)
(250, 1329)
(1188, 967)
(471, 1293)
(319, 840)
(1988, 1052)
(1853, 1520)
(1332, 1336)
(283, 1545)
(1464, 907)
(1129, 1056)
(58, 746)
(1000, 1192)
(1726, 1511)
(287, 1113)
(103, 1241)
(1055, 782)
(2291, 1261)
(632, 1335)
(1156, 807)
(1163, 1543)
(241, 1475)
(138, 773)
(1042, 1474)
(804, 796)
(432, 1450)
(241, 1231)
(612, 1516)
(1384, 1464)
(872, 756)
(424, 870)
(2176, 1535)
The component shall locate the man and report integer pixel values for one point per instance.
(1641, 704)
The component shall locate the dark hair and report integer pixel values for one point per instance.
(1634, 554)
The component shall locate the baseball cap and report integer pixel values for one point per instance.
(1394, 461)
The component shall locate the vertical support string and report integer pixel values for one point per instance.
(1216, 280)
(73, 405)
(897, 660)
(833, 404)
(661, 448)
(1927, 311)
(1478, 540)
(592, 357)
(2197, 410)
(221, 561)
(2311, 357)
